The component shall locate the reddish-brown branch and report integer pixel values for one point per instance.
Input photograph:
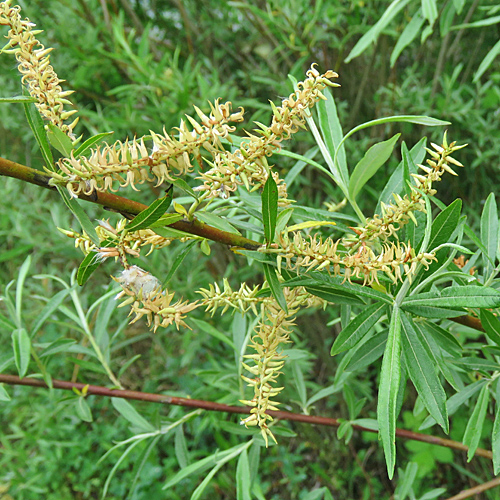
(130, 207)
(477, 489)
(211, 406)
(126, 206)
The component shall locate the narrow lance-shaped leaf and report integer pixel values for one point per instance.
(489, 233)
(331, 130)
(151, 214)
(407, 162)
(59, 140)
(372, 34)
(409, 34)
(475, 425)
(360, 326)
(486, 62)
(495, 435)
(334, 295)
(367, 167)
(275, 286)
(243, 482)
(178, 261)
(130, 413)
(90, 263)
(422, 372)
(442, 228)
(396, 181)
(38, 128)
(457, 296)
(270, 208)
(21, 344)
(388, 391)
(181, 450)
(18, 99)
(491, 325)
(91, 141)
(4, 395)
(79, 213)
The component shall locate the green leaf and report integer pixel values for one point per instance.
(243, 482)
(151, 214)
(38, 128)
(216, 221)
(486, 62)
(130, 413)
(337, 283)
(406, 480)
(421, 369)
(4, 395)
(184, 186)
(427, 121)
(369, 352)
(298, 378)
(390, 376)
(275, 286)
(21, 344)
(178, 261)
(166, 220)
(23, 272)
(59, 345)
(475, 425)
(491, 325)
(282, 220)
(91, 141)
(429, 9)
(79, 213)
(372, 34)
(477, 364)
(18, 98)
(139, 465)
(360, 326)
(331, 131)
(181, 450)
(219, 457)
(83, 410)
(211, 330)
(446, 340)
(432, 312)
(489, 233)
(334, 295)
(456, 296)
(456, 401)
(495, 439)
(367, 167)
(396, 181)
(488, 21)
(49, 308)
(442, 229)
(91, 262)
(59, 140)
(409, 34)
(270, 208)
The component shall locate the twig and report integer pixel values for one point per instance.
(126, 206)
(211, 406)
(477, 489)
(131, 208)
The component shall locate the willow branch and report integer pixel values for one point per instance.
(477, 489)
(129, 208)
(211, 406)
(126, 206)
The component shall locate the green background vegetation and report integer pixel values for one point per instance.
(140, 65)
